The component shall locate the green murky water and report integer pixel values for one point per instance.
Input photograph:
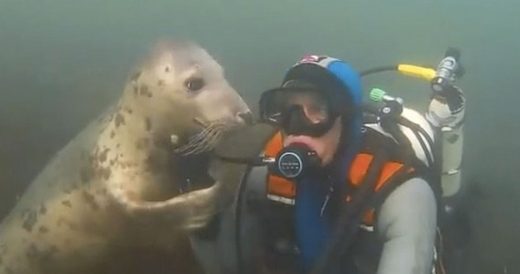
(62, 62)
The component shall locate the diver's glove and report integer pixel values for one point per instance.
(447, 107)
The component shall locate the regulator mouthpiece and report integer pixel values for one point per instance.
(296, 160)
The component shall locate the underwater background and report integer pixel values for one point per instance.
(62, 62)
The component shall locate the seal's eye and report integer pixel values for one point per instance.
(194, 84)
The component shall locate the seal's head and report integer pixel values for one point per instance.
(178, 96)
(185, 97)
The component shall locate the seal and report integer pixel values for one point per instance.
(123, 183)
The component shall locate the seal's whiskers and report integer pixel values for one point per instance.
(204, 140)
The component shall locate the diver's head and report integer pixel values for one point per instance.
(316, 105)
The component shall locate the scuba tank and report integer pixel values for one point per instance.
(446, 113)
(451, 139)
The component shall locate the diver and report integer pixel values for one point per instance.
(350, 192)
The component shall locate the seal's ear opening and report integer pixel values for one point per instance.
(245, 142)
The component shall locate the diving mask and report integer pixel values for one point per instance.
(298, 110)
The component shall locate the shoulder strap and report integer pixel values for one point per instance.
(350, 217)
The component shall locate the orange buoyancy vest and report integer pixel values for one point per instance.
(282, 190)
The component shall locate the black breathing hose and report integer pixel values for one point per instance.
(377, 70)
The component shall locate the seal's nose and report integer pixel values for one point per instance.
(246, 117)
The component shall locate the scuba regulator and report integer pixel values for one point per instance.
(449, 68)
(291, 162)
(294, 161)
